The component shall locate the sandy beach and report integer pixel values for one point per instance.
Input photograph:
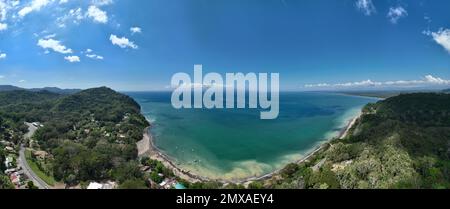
(345, 131)
(147, 148)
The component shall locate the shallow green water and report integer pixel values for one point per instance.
(236, 144)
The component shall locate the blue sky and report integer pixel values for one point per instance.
(139, 45)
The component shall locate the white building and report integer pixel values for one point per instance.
(8, 162)
(95, 185)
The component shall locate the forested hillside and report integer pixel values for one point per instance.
(91, 135)
(401, 142)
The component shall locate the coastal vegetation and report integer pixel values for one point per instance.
(157, 170)
(89, 135)
(401, 142)
(384, 93)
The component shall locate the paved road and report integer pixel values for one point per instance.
(29, 172)
(22, 161)
(31, 130)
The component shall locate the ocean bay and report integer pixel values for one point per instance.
(234, 143)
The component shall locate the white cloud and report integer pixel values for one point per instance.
(197, 85)
(3, 10)
(50, 36)
(97, 14)
(74, 15)
(2, 56)
(6, 6)
(63, 1)
(428, 19)
(22, 81)
(135, 30)
(122, 42)
(54, 45)
(2, 76)
(366, 6)
(90, 54)
(94, 56)
(427, 80)
(436, 80)
(102, 2)
(3, 26)
(395, 13)
(35, 5)
(72, 58)
(441, 37)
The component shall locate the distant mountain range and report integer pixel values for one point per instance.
(391, 93)
(56, 90)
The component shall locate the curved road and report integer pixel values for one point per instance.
(22, 161)
(29, 172)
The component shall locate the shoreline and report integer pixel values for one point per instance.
(342, 134)
(154, 153)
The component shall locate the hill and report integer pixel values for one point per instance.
(6, 88)
(56, 90)
(9, 88)
(388, 93)
(90, 135)
(401, 142)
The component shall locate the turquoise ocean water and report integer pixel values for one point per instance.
(235, 144)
